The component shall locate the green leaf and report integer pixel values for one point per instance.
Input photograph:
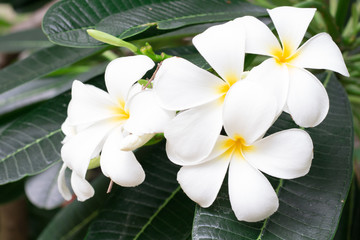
(19, 41)
(42, 189)
(310, 206)
(157, 209)
(73, 220)
(39, 64)
(66, 22)
(43, 89)
(32, 142)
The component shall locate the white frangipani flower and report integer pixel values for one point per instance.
(286, 154)
(181, 85)
(113, 123)
(298, 91)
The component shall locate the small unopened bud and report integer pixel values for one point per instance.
(110, 39)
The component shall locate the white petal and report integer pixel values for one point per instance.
(122, 73)
(63, 188)
(89, 104)
(286, 154)
(274, 78)
(249, 110)
(192, 134)
(82, 188)
(202, 182)
(259, 38)
(291, 24)
(308, 102)
(180, 85)
(223, 47)
(146, 115)
(133, 141)
(320, 52)
(79, 149)
(251, 195)
(67, 128)
(121, 166)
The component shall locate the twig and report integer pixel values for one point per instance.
(153, 76)
(110, 186)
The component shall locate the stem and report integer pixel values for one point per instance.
(110, 186)
(152, 77)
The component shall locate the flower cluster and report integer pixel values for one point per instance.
(113, 123)
(108, 126)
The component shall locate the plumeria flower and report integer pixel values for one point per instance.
(298, 91)
(181, 85)
(286, 154)
(113, 123)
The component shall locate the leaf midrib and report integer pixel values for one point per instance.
(29, 145)
(280, 184)
(167, 200)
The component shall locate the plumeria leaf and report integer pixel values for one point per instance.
(42, 189)
(19, 41)
(66, 22)
(32, 142)
(157, 209)
(43, 89)
(310, 206)
(73, 220)
(39, 64)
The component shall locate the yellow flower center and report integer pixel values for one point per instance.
(237, 146)
(283, 55)
(230, 79)
(121, 114)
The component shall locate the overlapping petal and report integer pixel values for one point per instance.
(146, 115)
(223, 47)
(308, 102)
(133, 141)
(251, 195)
(249, 110)
(320, 52)
(202, 182)
(192, 134)
(291, 24)
(259, 38)
(122, 73)
(273, 77)
(88, 104)
(63, 188)
(180, 85)
(121, 166)
(286, 154)
(79, 149)
(81, 187)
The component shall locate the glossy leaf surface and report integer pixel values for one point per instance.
(157, 209)
(310, 206)
(39, 64)
(66, 22)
